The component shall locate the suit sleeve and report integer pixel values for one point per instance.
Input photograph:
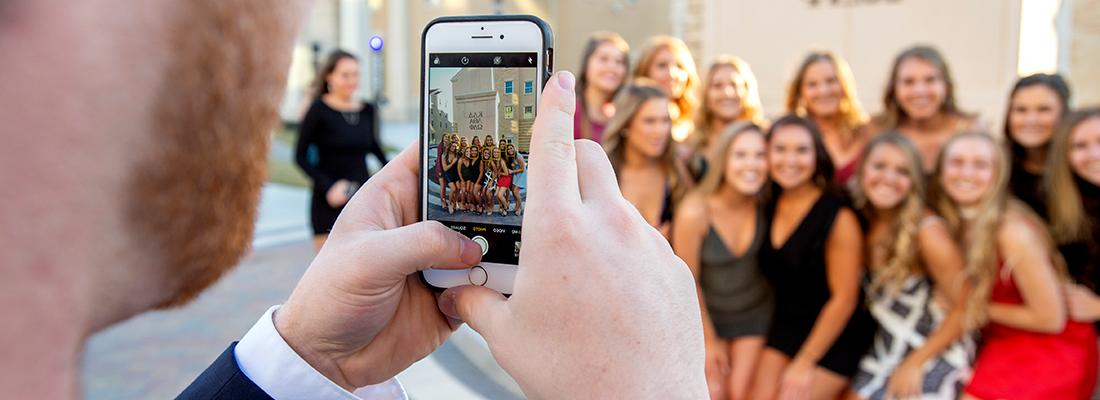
(223, 380)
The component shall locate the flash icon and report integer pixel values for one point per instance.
(496, 60)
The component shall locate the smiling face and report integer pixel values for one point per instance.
(791, 158)
(1033, 115)
(887, 176)
(650, 130)
(344, 79)
(1084, 150)
(724, 94)
(968, 170)
(821, 89)
(920, 88)
(606, 68)
(669, 74)
(746, 164)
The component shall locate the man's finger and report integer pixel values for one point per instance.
(480, 307)
(594, 172)
(420, 246)
(553, 161)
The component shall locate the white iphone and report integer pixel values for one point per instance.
(481, 78)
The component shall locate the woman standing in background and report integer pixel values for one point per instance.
(341, 131)
(920, 103)
(730, 94)
(604, 65)
(824, 91)
(640, 148)
(1035, 107)
(667, 61)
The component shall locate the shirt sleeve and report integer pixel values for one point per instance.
(269, 362)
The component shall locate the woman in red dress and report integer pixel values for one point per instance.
(1030, 350)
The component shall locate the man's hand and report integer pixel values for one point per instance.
(360, 314)
(602, 307)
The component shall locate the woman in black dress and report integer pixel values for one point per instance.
(333, 141)
(1035, 107)
(813, 259)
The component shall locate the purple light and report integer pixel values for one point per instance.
(376, 43)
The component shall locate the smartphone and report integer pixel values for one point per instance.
(481, 78)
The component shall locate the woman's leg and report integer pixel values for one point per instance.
(519, 201)
(828, 385)
(765, 385)
(443, 199)
(744, 355)
(502, 195)
(451, 198)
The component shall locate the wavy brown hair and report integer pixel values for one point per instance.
(751, 108)
(851, 111)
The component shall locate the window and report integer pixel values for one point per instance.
(528, 87)
(507, 112)
(528, 112)
(508, 87)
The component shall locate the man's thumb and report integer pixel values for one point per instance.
(480, 307)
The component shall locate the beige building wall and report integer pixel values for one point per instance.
(1083, 69)
(979, 39)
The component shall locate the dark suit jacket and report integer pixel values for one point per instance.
(223, 380)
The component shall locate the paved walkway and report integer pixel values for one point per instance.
(156, 354)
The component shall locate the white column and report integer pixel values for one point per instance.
(402, 100)
(354, 17)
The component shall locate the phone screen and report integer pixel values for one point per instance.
(481, 109)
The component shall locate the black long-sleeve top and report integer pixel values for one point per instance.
(342, 146)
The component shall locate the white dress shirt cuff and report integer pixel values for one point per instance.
(265, 358)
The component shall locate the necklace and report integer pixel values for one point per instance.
(352, 118)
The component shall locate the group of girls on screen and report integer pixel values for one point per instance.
(912, 254)
(478, 177)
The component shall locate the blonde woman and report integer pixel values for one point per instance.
(917, 289)
(667, 61)
(730, 94)
(718, 232)
(1029, 350)
(824, 91)
(604, 65)
(920, 103)
(640, 147)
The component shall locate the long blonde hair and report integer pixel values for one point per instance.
(688, 102)
(720, 152)
(899, 249)
(851, 112)
(751, 108)
(630, 99)
(978, 235)
(1068, 220)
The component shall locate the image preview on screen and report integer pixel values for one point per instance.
(491, 97)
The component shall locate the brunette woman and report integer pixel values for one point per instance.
(917, 289)
(639, 145)
(920, 103)
(813, 259)
(1035, 108)
(1028, 350)
(667, 61)
(604, 65)
(735, 298)
(340, 129)
(451, 173)
(516, 164)
(469, 174)
(824, 91)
